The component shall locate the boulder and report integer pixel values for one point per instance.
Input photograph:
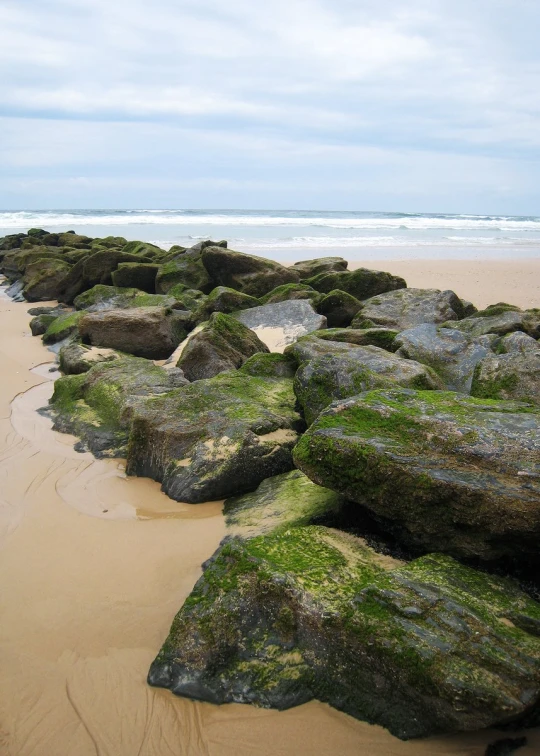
(339, 308)
(62, 327)
(270, 365)
(440, 470)
(151, 332)
(221, 344)
(282, 323)
(500, 323)
(98, 405)
(40, 323)
(310, 347)
(43, 279)
(103, 297)
(517, 342)
(308, 613)
(279, 503)
(407, 308)
(186, 268)
(251, 275)
(361, 283)
(451, 353)
(78, 358)
(216, 438)
(96, 268)
(321, 381)
(310, 268)
(515, 375)
(136, 275)
(289, 291)
(223, 299)
(379, 337)
(15, 263)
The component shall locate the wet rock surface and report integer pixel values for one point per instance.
(407, 308)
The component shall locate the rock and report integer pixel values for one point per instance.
(468, 308)
(102, 297)
(199, 246)
(40, 323)
(136, 275)
(15, 263)
(222, 299)
(79, 358)
(441, 470)
(279, 503)
(517, 342)
(151, 332)
(311, 346)
(186, 299)
(290, 291)
(187, 269)
(222, 344)
(54, 310)
(216, 438)
(361, 283)
(43, 279)
(310, 613)
(500, 324)
(505, 746)
(407, 308)
(98, 405)
(145, 249)
(273, 365)
(62, 327)
(339, 308)
(451, 354)
(250, 275)
(379, 337)
(515, 375)
(282, 323)
(321, 381)
(310, 268)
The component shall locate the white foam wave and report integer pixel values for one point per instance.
(24, 220)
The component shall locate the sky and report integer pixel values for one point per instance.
(417, 106)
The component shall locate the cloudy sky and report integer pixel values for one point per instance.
(424, 105)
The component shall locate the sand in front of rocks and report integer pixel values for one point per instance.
(93, 567)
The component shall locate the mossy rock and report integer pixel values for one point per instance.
(251, 275)
(43, 279)
(103, 297)
(323, 380)
(110, 242)
(272, 365)
(309, 268)
(285, 292)
(40, 323)
(361, 283)
(15, 262)
(143, 248)
(221, 344)
(136, 275)
(407, 308)
(98, 405)
(62, 327)
(339, 308)
(185, 298)
(515, 375)
(222, 299)
(440, 470)
(500, 323)
(309, 613)
(187, 269)
(315, 345)
(379, 337)
(77, 358)
(216, 438)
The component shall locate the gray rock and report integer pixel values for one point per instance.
(251, 275)
(517, 342)
(379, 337)
(505, 322)
(291, 319)
(407, 308)
(78, 358)
(151, 332)
(441, 470)
(325, 379)
(309, 347)
(449, 352)
(515, 375)
(221, 344)
(310, 268)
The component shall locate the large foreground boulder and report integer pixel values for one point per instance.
(429, 647)
(321, 381)
(282, 323)
(407, 308)
(217, 437)
(151, 332)
(221, 344)
(440, 470)
(251, 275)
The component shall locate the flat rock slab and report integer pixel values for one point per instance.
(425, 648)
(282, 323)
(441, 470)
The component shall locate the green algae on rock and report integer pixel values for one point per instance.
(217, 437)
(379, 337)
(62, 327)
(221, 344)
(339, 308)
(407, 308)
(440, 470)
(361, 283)
(279, 503)
(251, 275)
(429, 647)
(515, 375)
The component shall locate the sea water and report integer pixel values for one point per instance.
(290, 235)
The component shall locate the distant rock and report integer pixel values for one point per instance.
(310, 268)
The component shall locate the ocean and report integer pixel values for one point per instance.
(296, 234)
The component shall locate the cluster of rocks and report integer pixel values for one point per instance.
(405, 409)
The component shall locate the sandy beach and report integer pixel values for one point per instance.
(93, 567)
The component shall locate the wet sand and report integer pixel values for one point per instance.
(482, 282)
(93, 567)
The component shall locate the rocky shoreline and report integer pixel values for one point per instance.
(406, 406)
